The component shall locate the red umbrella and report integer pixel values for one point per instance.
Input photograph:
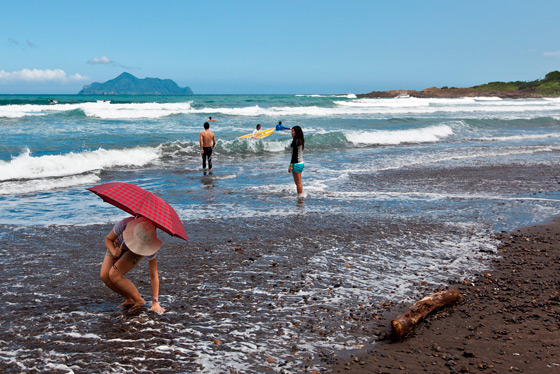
(138, 201)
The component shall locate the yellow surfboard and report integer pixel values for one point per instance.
(258, 135)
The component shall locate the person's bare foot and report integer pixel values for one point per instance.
(126, 303)
(137, 305)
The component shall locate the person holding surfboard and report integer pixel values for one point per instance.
(207, 144)
(258, 133)
(296, 163)
(255, 131)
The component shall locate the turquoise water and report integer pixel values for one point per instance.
(51, 152)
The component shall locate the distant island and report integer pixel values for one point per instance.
(547, 87)
(128, 84)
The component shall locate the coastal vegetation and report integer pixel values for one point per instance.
(547, 87)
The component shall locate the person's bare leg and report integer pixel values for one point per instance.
(108, 262)
(128, 289)
(299, 186)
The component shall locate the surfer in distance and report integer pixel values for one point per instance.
(280, 127)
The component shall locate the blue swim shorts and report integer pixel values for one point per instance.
(297, 168)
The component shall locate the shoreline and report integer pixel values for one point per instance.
(508, 319)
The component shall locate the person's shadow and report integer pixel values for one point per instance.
(208, 184)
(207, 180)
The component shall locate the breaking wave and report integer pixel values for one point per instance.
(312, 106)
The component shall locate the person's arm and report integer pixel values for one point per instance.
(110, 244)
(213, 141)
(293, 160)
(201, 143)
(154, 281)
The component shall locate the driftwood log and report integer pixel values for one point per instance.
(404, 323)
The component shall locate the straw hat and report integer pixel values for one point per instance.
(140, 237)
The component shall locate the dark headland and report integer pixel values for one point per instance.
(128, 84)
(547, 87)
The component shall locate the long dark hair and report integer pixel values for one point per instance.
(299, 135)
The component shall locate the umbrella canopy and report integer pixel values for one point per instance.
(138, 201)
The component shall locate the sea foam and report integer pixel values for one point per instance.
(468, 105)
(46, 184)
(99, 109)
(392, 137)
(333, 105)
(477, 107)
(26, 166)
(135, 110)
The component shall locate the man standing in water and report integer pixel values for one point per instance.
(207, 144)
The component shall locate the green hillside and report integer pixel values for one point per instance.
(549, 86)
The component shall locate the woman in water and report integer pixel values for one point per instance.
(296, 163)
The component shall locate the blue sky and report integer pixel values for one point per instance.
(323, 46)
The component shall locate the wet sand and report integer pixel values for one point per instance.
(289, 301)
(507, 321)
(256, 302)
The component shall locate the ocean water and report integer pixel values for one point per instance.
(425, 182)
(49, 154)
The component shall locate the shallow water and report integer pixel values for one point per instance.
(237, 300)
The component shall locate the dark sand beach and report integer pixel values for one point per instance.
(508, 319)
(59, 316)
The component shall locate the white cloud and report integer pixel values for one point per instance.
(551, 54)
(103, 60)
(40, 76)
(99, 61)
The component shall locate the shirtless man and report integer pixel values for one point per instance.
(207, 144)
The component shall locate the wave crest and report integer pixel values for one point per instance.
(393, 137)
(26, 167)
(99, 109)
(316, 106)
